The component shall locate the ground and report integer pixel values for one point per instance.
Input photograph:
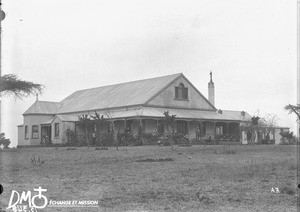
(152, 178)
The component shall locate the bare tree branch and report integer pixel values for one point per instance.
(293, 109)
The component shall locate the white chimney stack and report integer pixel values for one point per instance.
(211, 91)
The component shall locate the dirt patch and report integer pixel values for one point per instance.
(101, 148)
(156, 160)
(71, 148)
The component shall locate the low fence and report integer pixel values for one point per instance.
(215, 137)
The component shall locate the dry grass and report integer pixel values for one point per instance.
(197, 178)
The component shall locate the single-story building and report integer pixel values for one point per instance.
(129, 106)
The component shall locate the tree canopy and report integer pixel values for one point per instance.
(11, 84)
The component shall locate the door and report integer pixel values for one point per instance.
(46, 134)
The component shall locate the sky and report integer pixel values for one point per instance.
(69, 45)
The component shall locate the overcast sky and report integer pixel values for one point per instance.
(67, 45)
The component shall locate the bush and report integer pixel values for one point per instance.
(36, 161)
(72, 137)
(106, 139)
(287, 138)
(152, 138)
(177, 137)
(4, 141)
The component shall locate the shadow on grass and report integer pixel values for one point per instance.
(156, 160)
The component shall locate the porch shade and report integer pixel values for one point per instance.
(153, 112)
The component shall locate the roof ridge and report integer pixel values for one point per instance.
(48, 102)
(166, 86)
(232, 110)
(177, 74)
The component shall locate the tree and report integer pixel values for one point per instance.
(263, 125)
(85, 121)
(110, 120)
(169, 120)
(267, 123)
(4, 141)
(11, 84)
(100, 122)
(294, 109)
(254, 128)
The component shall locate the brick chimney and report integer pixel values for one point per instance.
(211, 90)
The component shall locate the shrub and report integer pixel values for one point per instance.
(36, 161)
(72, 137)
(152, 138)
(287, 138)
(4, 141)
(177, 137)
(106, 139)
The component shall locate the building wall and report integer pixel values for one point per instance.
(66, 125)
(30, 120)
(59, 139)
(63, 126)
(167, 97)
(21, 140)
(277, 134)
(244, 137)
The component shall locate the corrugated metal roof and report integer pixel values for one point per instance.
(180, 114)
(71, 118)
(196, 114)
(120, 95)
(67, 118)
(49, 121)
(43, 107)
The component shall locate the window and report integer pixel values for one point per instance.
(56, 130)
(35, 131)
(182, 127)
(181, 92)
(219, 130)
(26, 132)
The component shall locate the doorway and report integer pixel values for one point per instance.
(46, 134)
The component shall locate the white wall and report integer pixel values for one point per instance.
(21, 139)
(167, 97)
(63, 126)
(30, 120)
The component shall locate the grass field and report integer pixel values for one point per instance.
(152, 178)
